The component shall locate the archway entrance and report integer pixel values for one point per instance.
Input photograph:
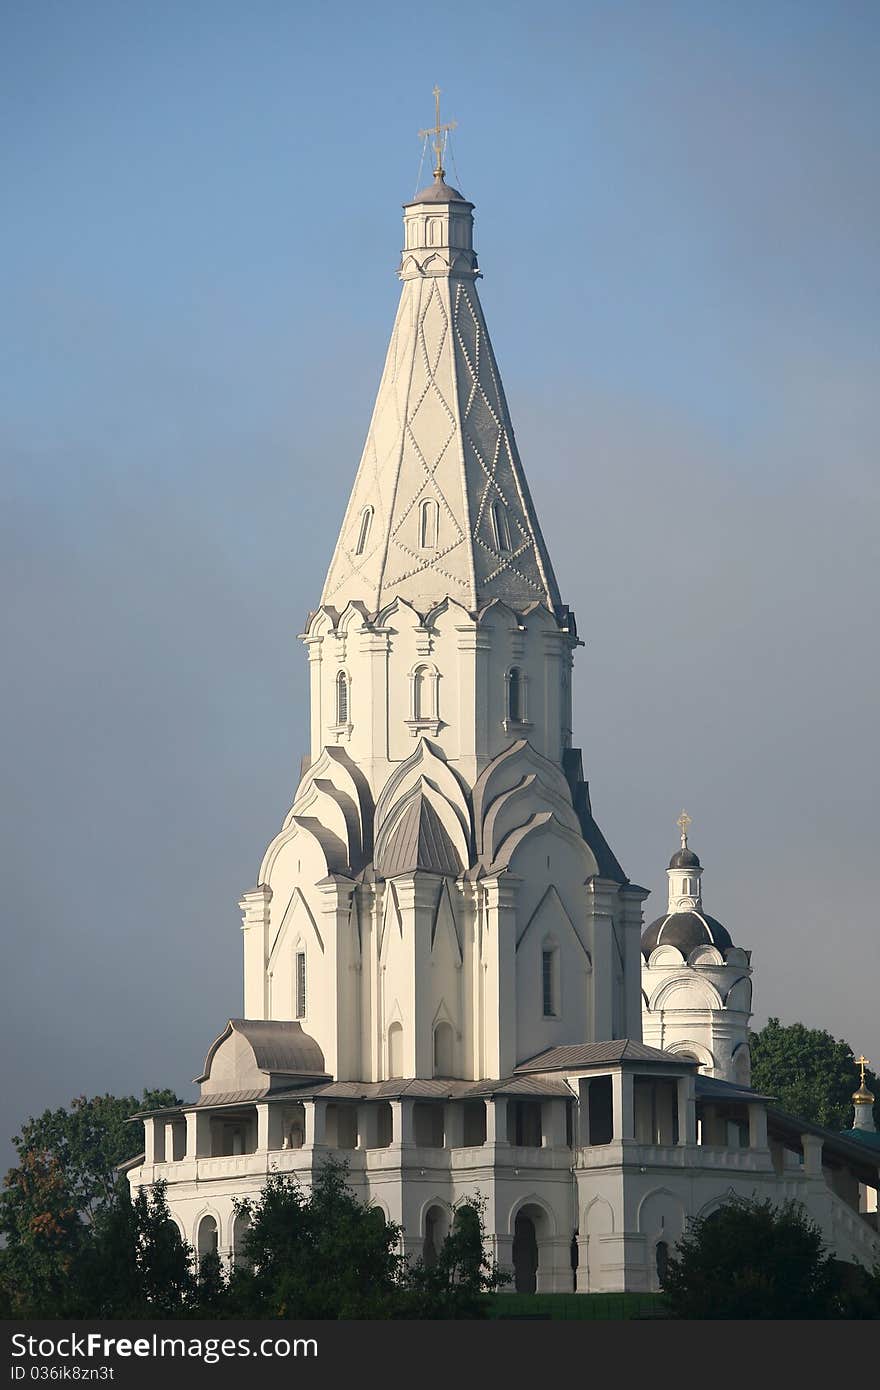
(525, 1254)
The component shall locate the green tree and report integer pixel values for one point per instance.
(453, 1285)
(88, 1140)
(44, 1234)
(751, 1259)
(812, 1074)
(134, 1262)
(53, 1202)
(324, 1254)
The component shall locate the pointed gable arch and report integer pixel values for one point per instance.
(391, 918)
(520, 773)
(298, 922)
(551, 917)
(421, 831)
(544, 821)
(445, 926)
(427, 763)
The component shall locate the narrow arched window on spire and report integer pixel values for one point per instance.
(515, 705)
(424, 696)
(500, 527)
(419, 692)
(363, 533)
(342, 700)
(429, 516)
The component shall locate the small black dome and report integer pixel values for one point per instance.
(684, 859)
(685, 930)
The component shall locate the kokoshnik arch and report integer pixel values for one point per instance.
(445, 974)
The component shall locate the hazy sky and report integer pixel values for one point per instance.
(677, 218)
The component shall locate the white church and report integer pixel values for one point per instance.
(447, 981)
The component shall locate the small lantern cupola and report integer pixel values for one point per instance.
(863, 1101)
(438, 225)
(684, 874)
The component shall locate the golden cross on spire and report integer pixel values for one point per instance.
(861, 1063)
(438, 130)
(684, 823)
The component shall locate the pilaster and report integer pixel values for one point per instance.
(601, 895)
(499, 956)
(340, 954)
(255, 942)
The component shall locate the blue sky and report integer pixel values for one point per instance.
(677, 218)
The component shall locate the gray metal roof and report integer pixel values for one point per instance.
(585, 1055)
(278, 1046)
(711, 1087)
(686, 930)
(438, 192)
(418, 841)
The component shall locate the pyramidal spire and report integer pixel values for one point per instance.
(440, 505)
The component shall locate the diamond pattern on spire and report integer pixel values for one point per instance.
(440, 434)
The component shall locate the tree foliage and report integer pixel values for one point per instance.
(88, 1140)
(451, 1285)
(316, 1253)
(751, 1259)
(326, 1254)
(812, 1074)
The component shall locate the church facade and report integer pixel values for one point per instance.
(446, 978)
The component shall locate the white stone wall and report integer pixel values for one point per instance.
(700, 1006)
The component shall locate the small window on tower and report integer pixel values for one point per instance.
(500, 526)
(363, 533)
(429, 515)
(300, 984)
(342, 700)
(548, 982)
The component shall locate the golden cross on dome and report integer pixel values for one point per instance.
(684, 823)
(438, 130)
(861, 1063)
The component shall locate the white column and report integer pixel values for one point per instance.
(631, 899)
(270, 1126)
(198, 1134)
(583, 1112)
(499, 953)
(154, 1141)
(342, 1038)
(313, 648)
(687, 1110)
(623, 1119)
(316, 1122)
(417, 899)
(496, 1119)
(255, 942)
(601, 898)
(812, 1146)
(402, 1122)
(758, 1127)
(583, 1268)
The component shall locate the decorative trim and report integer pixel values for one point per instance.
(515, 725)
(417, 726)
